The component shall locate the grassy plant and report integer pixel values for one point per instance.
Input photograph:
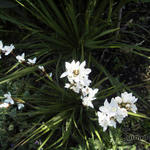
(55, 32)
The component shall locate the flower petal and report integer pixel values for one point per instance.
(64, 75)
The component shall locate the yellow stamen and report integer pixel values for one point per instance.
(76, 72)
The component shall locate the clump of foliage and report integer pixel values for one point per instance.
(55, 32)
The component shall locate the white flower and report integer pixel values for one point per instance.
(67, 85)
(109, 108)
(8, 99)
(87, 102)
(110, 113)
(85, 91)
(21, 58)
(121, 114)
(85, 81)
(32, 61)
(112, 123)
(76, 87)
(133, 108)
(20, 105)
(88, 95)
(4, 105)
(89, 92)
(41, 68)
(76, 72)
(8, 49)
(105, 121)
(116, 110)
(127, 101)
(118, 99)
(77, 75)
(128, 98)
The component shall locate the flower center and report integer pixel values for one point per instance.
(114, 109)
(76, 72)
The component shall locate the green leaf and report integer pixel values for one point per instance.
(138, 115)
(105, 33)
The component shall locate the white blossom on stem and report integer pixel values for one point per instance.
(109, 108)
(32, 61)
(20, 105)
(128, 101)
(76, 72)
(21, 58)
(128, 98)
(88, 95)
(121, 114)
(41, 68)
(89, 92)
(104, 120)
(8, 99)
(76, 87)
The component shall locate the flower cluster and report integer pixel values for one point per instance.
(116, 110)
(9, 101)
(78, 77)
(78, 81)
(110, 113)
(21, 58)
(6, 50)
